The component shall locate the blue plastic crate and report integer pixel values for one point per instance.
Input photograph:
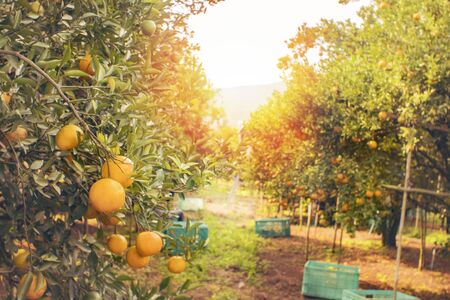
(374, 295)
(273, 227)
(327, 280)
(178, 229)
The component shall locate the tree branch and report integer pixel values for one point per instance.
(75, 112)
(435, 165)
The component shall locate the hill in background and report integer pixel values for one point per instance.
(240, 102)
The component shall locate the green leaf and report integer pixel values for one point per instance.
(50, 64)
(67, 56)
(41, 45)
(182, 297)
(24, 286)
(76, 73)
(25, 81)
(3, 41)
(124, 277)
(37, 164)
(164, 283)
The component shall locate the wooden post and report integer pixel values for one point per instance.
(417, 218)
(402, 221)
(335, 226)
(340, 244)
(316, 219)
(300, 217)
(422, 245)
(308, 225)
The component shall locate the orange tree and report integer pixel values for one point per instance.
(83, 82)
(379, 90)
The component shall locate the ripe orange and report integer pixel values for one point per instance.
(377, 193)
(345, 180)
(384, 5)
(148, 27)
(356, 139)
(369, 194)
(6, 98)
(360, 201)
(382, 116)
(20, 258)
(37, 7)
(119, 168)
(134, 260)
(416, 17)
(323, 222)
(91, 213)
(117, 244)
(176, 264)
(372, 145)
(93, 295)
(19, 134)
(86, 64)
(345, 207)
(148, 243)
(314, 196)
(37, 288)
(106, 195)
(109, 220)
(382, 64)
(69, 137)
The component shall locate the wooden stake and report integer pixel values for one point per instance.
(402, 221)
(316, 219)
(417, 218)
(421, 255)
(417, 190)
(340, 244)
(335, 226)
(308, 225)
(300, 207)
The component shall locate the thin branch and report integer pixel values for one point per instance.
(437, 128)
(435, 164)
(61, 93)
(24, 203)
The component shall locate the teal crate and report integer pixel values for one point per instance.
(178, 229)
(273, 227)
(374, 295)
(327, 280)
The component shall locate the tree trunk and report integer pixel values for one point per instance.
(389, 229)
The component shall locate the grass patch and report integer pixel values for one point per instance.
(232, 248)
(219, 190)
(433, 237)
(363, 244)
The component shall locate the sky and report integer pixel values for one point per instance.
(242, 40)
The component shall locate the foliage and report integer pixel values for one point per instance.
(124, 100)
(379, 90)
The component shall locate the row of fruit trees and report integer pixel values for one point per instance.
(105, 114)
(339, 136)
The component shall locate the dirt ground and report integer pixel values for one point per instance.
(282, 261)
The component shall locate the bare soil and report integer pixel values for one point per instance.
(282, 261)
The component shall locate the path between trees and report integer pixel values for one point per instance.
(282, 260)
